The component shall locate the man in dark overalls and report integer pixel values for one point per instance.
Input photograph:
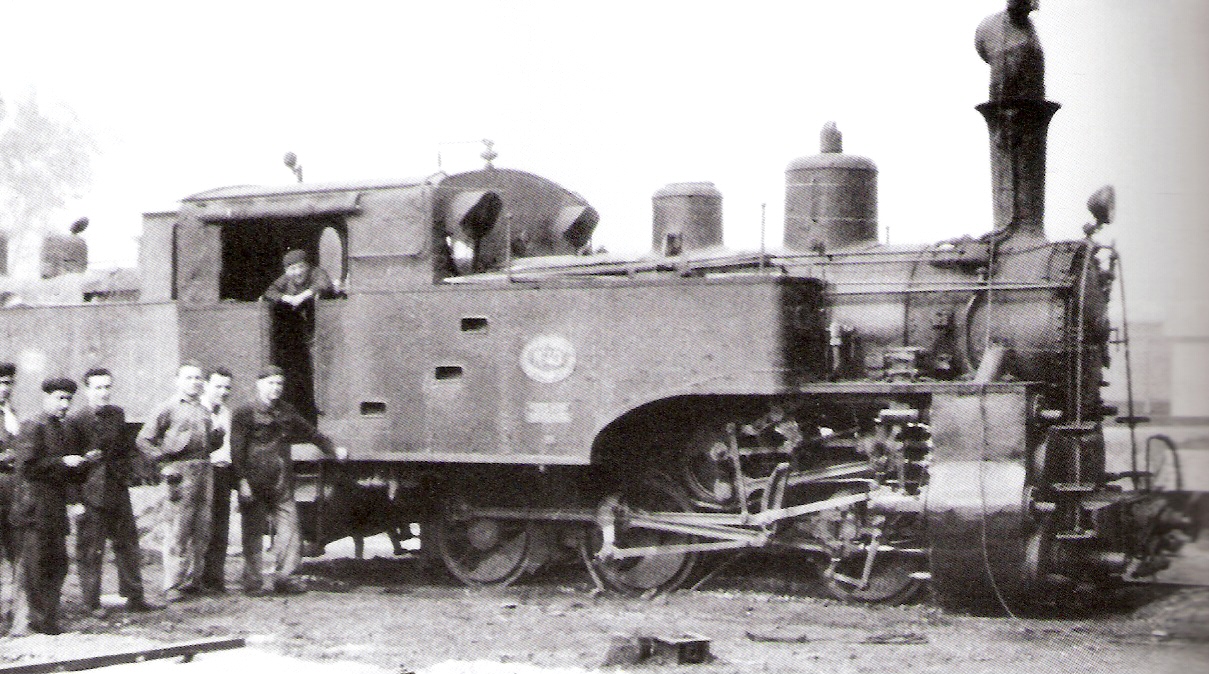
(261, 434)
(214, 398)
(49, 460)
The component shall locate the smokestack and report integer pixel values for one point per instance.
(1017, 117)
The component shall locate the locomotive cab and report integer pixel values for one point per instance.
(227, 245)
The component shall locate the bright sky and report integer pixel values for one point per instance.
(615, 99)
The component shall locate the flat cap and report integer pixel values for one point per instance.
(58, 384)
(270, 371)
(293, 257)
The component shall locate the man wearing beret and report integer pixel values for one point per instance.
(49, 460)
(10, 574)
(261, 434)
(108, 514)
(179, 435)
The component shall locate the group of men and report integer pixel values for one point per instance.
(64, 460)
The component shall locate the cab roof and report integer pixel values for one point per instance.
(299, 189)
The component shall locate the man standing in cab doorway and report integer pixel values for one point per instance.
(292, 298)
(261, 434)
(108, 514)
(178, 436)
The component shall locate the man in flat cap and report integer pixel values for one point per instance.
(261, 434)
(179, 435)
(1008, 42)
(50, 458)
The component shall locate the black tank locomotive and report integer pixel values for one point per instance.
(898, 414)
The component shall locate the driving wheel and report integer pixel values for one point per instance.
(653, 572)
(482, 551)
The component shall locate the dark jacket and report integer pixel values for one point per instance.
(42, 493)
(8, 485)
(104, 428)
(260, 444)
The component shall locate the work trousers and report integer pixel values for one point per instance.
(44, 563)
(190, 495)
(214, 574)
(12, 576)
(14, 600)
(286, 551)
(114, 522)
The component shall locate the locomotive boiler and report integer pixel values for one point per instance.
(897, 414)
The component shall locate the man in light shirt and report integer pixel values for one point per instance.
(214, 398)
(178, 437)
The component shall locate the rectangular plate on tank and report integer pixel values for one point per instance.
(548, 412)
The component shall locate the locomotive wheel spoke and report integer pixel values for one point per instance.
(483, 551)
(637, 575)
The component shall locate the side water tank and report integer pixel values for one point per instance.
(687, 216)
(830, 198)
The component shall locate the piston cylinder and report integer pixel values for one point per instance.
(686, 216)
(830, 198)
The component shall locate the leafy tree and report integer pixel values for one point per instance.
(45, 164)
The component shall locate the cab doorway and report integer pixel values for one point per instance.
(252, 253)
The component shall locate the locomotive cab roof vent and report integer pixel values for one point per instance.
(575, 225)
(473, 214)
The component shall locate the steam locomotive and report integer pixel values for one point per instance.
(898, 414)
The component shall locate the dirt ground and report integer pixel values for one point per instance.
(397, 614)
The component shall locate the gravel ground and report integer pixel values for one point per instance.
(389, 614)
(395, 615)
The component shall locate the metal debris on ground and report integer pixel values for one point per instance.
(895, 638)
(780, 635)
(683, 649)
(185, 650)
